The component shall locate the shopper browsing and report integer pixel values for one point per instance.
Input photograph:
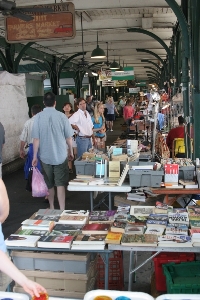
(99, 121)
(6, 266)
(81, 122)
(51, 131)
(110, 117)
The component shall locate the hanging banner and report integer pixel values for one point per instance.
(118, 83)
(105, 75)
(134, 90)
(127, 74)
(107, 83)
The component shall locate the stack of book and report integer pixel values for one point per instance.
(74, 217)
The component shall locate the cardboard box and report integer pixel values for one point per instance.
(57, 262)
(62, 281)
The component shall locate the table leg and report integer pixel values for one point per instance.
(109, 195)
(130, 277)
(91, 200)
(105, 258)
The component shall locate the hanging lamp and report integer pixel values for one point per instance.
(114, 65)
(98, 52)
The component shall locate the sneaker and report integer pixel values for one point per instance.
(70, 171)
(111, 129)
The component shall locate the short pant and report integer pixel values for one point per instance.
(110, 117)
(55, 175)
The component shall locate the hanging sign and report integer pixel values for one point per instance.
(141, 83)
(105, 75)
(127, 74)
(134, 90)
(58, 24)
(118, 83)
(107, 83)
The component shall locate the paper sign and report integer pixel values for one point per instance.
(117, 151)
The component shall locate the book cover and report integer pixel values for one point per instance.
(179, 229)
(69, 219)
(90, 239)
(141, 210)
(192, 231)
(154, 230)
(139, 220)
(193, 210)
(102, 216)
(121, 216)
(67, 227)
(22, 240)
(162, 208)
(181, 218)
(47, 217)
(139, 240)
(113, 238)
(158, 217)
(179, 210)
(50, 212)
(195, 224)
(53, 241)
(114, 169)
(78, 182)
(134, 229)
(174, 241)
(82, 213)
(118, 226)
(21, 231)
(38, 224)
(95, 228)
(158, 223)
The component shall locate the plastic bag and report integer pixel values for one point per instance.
(39, 187)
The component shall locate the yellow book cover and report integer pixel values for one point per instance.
(113, 237)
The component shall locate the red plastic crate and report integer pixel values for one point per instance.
(116, 272)
(164, 258)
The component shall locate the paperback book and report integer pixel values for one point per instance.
(102, 216)
(90, 239)
(118, 226)
(21, 231)
(113, 238)
(158, 217)
(181, 218)
(162, 208)
(195, 224)
(49, 212)
(22, 240)
(47, 218)
(177, 229)
(141, 210)
(139, 220)
(64, 228)
(82, 213)
(69, 219)
(121, 216)
(134, 229)
(38, 224)
(139, 240)
(54, 241)
(156, 223)
(174, 241)
(154, 230)
(95, 228)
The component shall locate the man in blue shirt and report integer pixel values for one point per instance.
(51, 131)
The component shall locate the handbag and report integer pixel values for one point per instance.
(39, 187)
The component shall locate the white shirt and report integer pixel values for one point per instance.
(27, 130)
(84, 124)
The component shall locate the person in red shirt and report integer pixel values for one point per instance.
(175, 133)
(128, 112)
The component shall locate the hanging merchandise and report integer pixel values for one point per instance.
(165, 97)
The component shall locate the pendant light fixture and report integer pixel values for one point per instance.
(98, 52)
(114, 65)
